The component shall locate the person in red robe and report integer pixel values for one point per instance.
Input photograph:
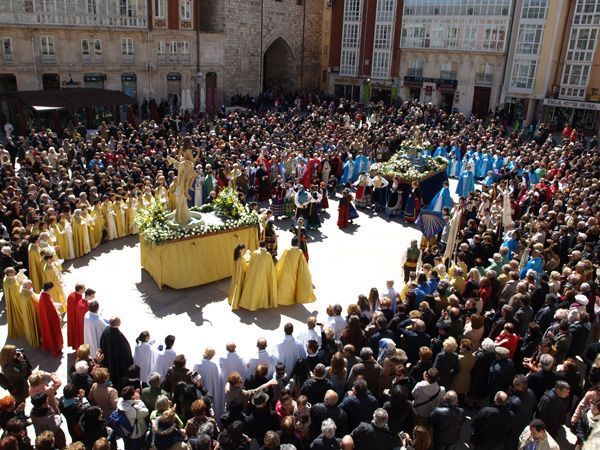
(83, 306)
(72, 300)
(50, 331)
(312, 169)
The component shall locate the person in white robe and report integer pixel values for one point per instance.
(144, 355)
(312, 333)
(164, 358)
(93, 327)
(232, 362)
(211, 379)
(198, 185)
(262, 357)
(289, 350)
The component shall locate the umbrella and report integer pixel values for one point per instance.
(432, 222)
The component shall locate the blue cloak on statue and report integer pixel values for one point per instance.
(440, 151)
(466, 184)
(347, 172)
(361, 164)
(442, 199)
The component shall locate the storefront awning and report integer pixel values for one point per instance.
(72, 98)
(571, 104)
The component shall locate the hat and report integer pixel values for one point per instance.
(581, 299)
(502, 351)
(488, 345)
(260, 398)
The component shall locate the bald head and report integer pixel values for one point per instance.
(311, 322)
(347, 443)
(261, 343)
(230, 347)
(331, 397)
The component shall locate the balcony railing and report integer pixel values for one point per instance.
(85, 59)
(49, 58)
(448, 75)
(172, 59)
(97, 59)
(415, 72)
(127, 59)
(484, 78)
(72, 20)
(184, 58)
(8, 59)
(161, 59)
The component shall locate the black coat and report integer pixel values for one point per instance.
(447, 365)
(117, 354)
(541, 381)
(323, 443)
(446, 423)
(366, 436)
(480, 373)
(579, 335)
(502, 372)
(261, 421)
(321, 411)
(552, 410)
(315, 389)
(492, 427)
(522, 404)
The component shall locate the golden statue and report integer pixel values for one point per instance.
(186, 172)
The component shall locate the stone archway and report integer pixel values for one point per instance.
(279, 67)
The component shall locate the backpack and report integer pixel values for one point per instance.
(120, 424)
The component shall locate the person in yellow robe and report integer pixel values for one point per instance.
(65, 224)
(11, 285)
(172, 203)
(35, 263)
(120, 221)
(30, 313)
(81, 235)
(241, 256)
(109, 218)
(294, 282)
(148, 198)
(58, 235)
(260, 285)
(160, 193)
(130, 213)
(50, 272)
(98, 219)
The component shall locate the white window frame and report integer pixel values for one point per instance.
(97, 47)
(8, 40)
(529, 39)
(158, 9)
(349, 60)
(470, 37)
(92, 7)
(385, 10)
(161, 48)
(85, 47)
(383, 36)
(381, 64)
(449, 70)
(534, 9)
(185, 47)
(415, 67)
(126, 46)
(128, 8)
(186, 10)
(484, 73)
(47, 46)
(523, 74)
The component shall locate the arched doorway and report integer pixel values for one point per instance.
(279, 68)
(50, 81)
(212, 100)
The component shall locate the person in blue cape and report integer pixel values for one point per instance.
(466, 183)
(442, 199)
(512, 242)
(535, 261)
(441, 151)
(348, 170)
(455, 161)
(489, 179)
(361, 164)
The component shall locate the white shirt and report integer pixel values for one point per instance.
(164, 360)
(309, 335)
(288, 352)
(232, 362)
(338, 324)
(144, 357)
(262, 357)
(93, 326)
(211, 379)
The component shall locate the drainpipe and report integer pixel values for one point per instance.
(302, 50)
(37, 83)
(508, 38)
(197, 99)
(260, 77)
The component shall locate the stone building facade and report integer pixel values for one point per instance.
(161, 48)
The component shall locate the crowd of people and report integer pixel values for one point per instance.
(498, 315)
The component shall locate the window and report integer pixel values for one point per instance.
(582, 44)
(92, 8)
(493, 38)
(352, 11)
(97, 47)
(437, 35)
(587, 12)
(128, 8)
(534, 9)
(470, 37)
(413, 35)
(523, 74)
(161, 48)
(348, 62)
(381, 64)
(451, 37)
(449, 70)
(47, 45)
(385, 10)
(158, 9)
(127, 46)
(85, 47)
(383, 36)
(7, 50)
(529, 39)
(415, 68)
(173, 52)
(185, 51)
(186, 9)
(350, 35)
(485, 74)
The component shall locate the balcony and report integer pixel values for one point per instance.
(85, 59)
(184, 58)
(448, 74)
(415, 72)
(48, 58)
(161, 60)
(97, 59)
(173, 59)
(128, 59)
(8, 58)
(485, 79)
(30, 18)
